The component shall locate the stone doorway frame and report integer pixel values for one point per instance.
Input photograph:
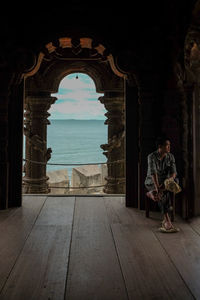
(57, 60)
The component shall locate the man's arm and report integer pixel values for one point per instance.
(155, 181)
(173, 172)
(152, 170)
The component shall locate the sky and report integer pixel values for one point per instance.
(77, 99)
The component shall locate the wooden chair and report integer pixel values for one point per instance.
(147, 206)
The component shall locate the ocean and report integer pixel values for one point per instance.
(76, 141)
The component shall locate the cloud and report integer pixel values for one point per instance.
(79, 95)
(77, 98)
(82, 109)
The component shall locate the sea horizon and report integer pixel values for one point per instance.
(75, 141)
(78, 142)
(76, 119)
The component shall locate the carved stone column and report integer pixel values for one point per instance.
(196, 143)
(187, 149)
(36, 121)
(115, 149)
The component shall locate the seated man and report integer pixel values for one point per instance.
(161, 165)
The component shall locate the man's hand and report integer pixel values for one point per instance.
(156, 195)
(158, 192)
(173, 176)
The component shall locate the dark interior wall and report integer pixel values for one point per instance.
(136, 24)
(171, 125)
(145, 38)
(132, 142)
(15, 144)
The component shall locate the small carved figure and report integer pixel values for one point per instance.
(48, 154)
(35, 140)
(38, 143)
(114, 142)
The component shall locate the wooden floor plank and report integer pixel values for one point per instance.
(195, 220)
(14, 232)
(196, 228)
(116, 253)
(40, 272)
(148, 270)
(184, 250)
(94, 271)
(4, 214)
(195, 224)
(57, 211)
(118, 213)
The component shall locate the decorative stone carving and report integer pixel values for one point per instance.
(35, 140)
(35, 179)
(115, 149)
(57, 60)
(192, 54)
(67, 48)
(114, 142)
(48, 154)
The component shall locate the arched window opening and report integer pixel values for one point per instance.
(76, 132)
(42, 83)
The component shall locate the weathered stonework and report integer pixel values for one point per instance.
(146, 42)
(35, 130)
(115, 149)
(57, 180)
(81, 55)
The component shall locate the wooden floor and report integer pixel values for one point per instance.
(94, 248)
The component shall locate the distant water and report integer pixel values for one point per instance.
(76, 141)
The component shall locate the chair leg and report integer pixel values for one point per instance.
(147, 206)
(173, 205)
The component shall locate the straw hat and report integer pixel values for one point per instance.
(172, 186)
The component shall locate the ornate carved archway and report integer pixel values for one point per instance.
(56, 60)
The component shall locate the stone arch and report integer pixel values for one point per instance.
(60, 49)
(49, 79)
(79, 69)
(56, 60)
